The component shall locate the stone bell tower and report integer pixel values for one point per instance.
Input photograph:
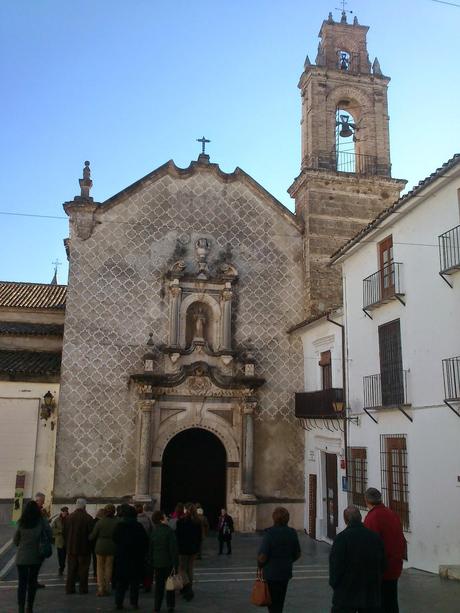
(345, 178)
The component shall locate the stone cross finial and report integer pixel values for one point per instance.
(86, 184)
(203, 142)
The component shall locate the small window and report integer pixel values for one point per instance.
(357, 475)
(344, 60)
(326, 370)
(394, 474)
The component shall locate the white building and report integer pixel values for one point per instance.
(31, 329)
(401, 280)
(324, 425)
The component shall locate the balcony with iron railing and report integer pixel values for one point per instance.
(451, 377)
(449, 252)
(347, 161)
(383, 286)
(319, 404)
(386, 390)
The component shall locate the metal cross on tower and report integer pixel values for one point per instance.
(203, 142)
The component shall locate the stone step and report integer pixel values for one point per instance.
(450, 571)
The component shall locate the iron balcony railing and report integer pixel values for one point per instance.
(347, 161)
(451, 377)
(383, 285)
(449, 250)
(318, 404)
(385, 389)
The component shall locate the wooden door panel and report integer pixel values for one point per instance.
(331, 495)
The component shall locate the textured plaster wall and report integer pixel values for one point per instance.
(116, 297)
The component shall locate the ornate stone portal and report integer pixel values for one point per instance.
(199, 381)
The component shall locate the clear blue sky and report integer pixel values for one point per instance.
(130, 84)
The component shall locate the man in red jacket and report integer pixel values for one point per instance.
(388, 526)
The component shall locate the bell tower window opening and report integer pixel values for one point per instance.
(345, 141)
(344, 60)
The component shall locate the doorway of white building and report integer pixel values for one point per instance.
(331, 495)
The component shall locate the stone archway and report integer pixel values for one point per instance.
(194, 467)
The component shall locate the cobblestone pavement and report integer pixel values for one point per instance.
(223, 584)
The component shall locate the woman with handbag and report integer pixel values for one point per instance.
(280, 548)
(163, 557)
(33, 539)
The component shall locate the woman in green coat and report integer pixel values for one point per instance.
(102, 534)
(163, 553)
(28, 559)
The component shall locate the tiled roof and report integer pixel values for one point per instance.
(26, 329)
(32, 295)
(415, 191)
(30, 362)
(315, 317)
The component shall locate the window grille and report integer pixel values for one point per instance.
(357, 475)
(394, 475)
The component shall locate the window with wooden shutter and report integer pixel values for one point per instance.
(357, 475)
(391, 366)
(386, 266)
(394, 474)
(326, 370)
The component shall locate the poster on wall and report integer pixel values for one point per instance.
(18, 495)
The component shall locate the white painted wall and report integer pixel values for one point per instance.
(430, 332)
(317, 337)
(26, 442)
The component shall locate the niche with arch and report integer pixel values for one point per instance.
(199, 324)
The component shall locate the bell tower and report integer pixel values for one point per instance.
(345, 177)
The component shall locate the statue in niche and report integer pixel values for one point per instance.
(199, 324)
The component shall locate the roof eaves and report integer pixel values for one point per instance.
(415, 191)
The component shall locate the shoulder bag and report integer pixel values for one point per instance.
(260, 595)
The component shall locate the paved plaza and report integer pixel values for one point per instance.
(223, 585)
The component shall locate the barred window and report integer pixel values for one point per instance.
(357, 475)
(394, 474)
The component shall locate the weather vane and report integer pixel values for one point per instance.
(203, 142)
(344, 11)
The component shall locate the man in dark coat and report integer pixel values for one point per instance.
(77, 529)
(224, 531)
(387, 525)
(356, 565)
(131, 546)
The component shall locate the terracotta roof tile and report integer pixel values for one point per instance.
(30, 362)
(32, 295)
(27, 329)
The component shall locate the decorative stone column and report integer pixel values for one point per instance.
(144, 453)
(175, 300)
(226, 296)
(248, 448)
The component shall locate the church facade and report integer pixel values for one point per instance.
(178, 373)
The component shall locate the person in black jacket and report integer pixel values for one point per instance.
(189, 535)
(279, 549)
(224, 531)
(356, 566)
(131, 546)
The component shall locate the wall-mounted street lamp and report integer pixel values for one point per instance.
(338, 406)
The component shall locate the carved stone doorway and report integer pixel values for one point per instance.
(194, 467)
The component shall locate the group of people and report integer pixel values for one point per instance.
(365, 561)
(131, 548)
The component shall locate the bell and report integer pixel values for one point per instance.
(345, 131)
(345, 127)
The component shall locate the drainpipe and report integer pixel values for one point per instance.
(344, 387)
